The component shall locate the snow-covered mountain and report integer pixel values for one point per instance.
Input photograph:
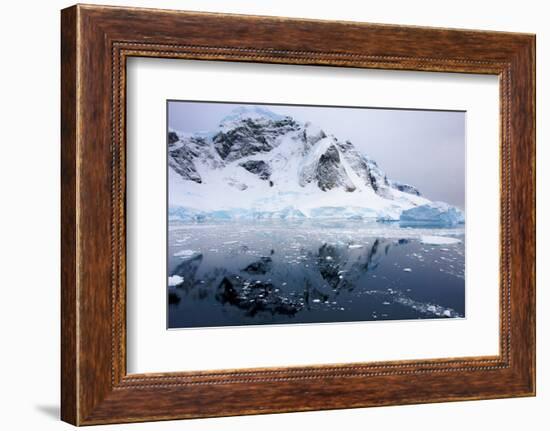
(258, 164)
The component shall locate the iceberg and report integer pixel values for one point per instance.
(432, 214)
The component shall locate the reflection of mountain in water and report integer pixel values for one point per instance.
(274, 285)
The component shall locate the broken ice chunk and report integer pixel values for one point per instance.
(438, 240)
(174, 280)
(185, 254)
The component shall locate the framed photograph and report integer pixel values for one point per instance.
(318, 215)
(273, 220)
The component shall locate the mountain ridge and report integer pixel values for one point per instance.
(258, 162)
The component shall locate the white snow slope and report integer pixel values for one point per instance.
(262, 165)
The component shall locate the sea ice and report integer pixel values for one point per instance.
(174, 280)
(185, 253)
(438, 240)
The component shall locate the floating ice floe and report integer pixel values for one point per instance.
(426, 308)
(185, 253)
(174, 280)
(407, 269)
(438, 240)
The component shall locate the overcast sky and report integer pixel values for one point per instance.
(422, 148)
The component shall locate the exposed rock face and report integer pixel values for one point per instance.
(311, 134)
(244, 135)
(289, 160)
(330, 173)
(187, 151)
(172, 137)
(407, 188)
(181, 160)
(249, 137)
(356, 161)
(258, 167)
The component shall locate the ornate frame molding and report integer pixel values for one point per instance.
(96, 41)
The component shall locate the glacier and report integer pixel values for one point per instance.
(433, 213)
(261, 165)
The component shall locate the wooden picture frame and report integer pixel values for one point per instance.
(96, 41)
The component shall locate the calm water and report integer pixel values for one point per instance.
(280, 272)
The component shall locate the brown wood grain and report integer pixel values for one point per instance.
(69, 370)
(96, 41)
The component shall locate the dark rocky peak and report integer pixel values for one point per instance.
(382, 184)
(312, 134)
(242, 137)
(172, 137)
(253, 130)
(182, 158)
(357, 162)
(330, 173)
(240, 142)
(406, 188)
(258, 167)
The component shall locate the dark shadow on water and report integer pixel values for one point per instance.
(308, 279)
